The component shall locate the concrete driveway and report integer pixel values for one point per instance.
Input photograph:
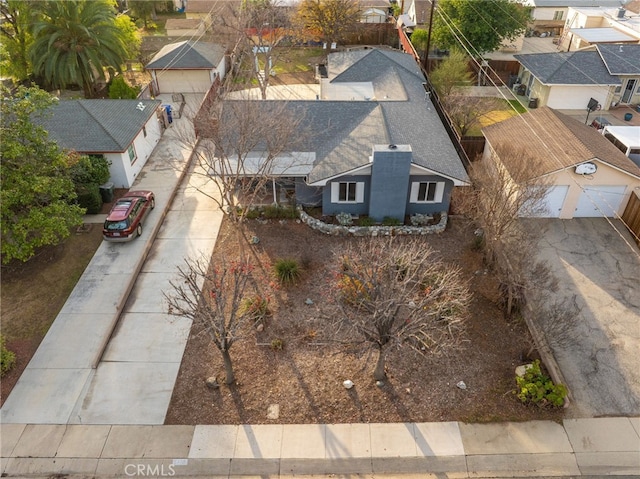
(598, 269)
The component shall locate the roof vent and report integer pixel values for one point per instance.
(141, 106)
(392, 146)
(621, 12)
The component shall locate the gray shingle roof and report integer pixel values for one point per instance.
(98, 126)
(568, 68)
(187, 55)
(620, 59)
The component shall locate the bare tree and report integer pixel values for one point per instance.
(329, 20)
(211, 296)
(507, 186)
(466, 112)
(261, 25)
(243, 146)
(395, 292)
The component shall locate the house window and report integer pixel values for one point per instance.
(558, 15)
(132, 154)
(347, 192)
(427, 191)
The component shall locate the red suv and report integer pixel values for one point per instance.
(124, 221)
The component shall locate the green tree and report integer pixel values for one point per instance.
(37, 192)
(419, 39)
(15, 32)
(129, 35)
(145, 10)
(331, 20)
(481, 26)
(75, 41)
(453, 71)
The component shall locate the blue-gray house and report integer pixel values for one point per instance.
(377, 146)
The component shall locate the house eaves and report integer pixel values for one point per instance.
(620, 59)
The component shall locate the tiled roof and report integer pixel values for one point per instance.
(620, 59)
(556, 141)
(568, 68)
(98, 126)
(187, 55)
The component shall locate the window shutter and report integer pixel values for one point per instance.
(439, 192)
(335, 192)
(415, 187)
(360, 192)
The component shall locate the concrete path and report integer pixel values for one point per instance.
(598, 271)
(68, 380)
(598, 447)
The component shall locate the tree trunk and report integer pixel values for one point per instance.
(228, 368)
(378, 373)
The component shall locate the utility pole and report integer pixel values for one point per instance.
(426, 54)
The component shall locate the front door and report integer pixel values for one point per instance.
(628, 90)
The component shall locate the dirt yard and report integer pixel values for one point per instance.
(303, 380)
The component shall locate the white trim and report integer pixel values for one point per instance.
(360, 170)
(418, 170)
(437, 196)
(335, 192)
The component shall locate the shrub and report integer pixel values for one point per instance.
(352, 291)
(280, 212)
(7, 358)
(89, 198)
(537, 388)
(277, 344)
(252, 213)
(87, 169)
(389, 221)
(287, 271)
(366, 221)
(255, 308)
(119, 89)
(344, 219)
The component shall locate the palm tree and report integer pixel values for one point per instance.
(75, 40)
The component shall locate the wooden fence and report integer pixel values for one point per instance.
(631, 215)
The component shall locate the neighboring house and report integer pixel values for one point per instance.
(597, 25)
(187, 67)
(610, 74)
(378, 146)
(125, 132)
(374, 11)
(550, 16)
(586, 175)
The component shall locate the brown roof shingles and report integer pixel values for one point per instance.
(557, 141)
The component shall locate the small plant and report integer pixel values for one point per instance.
(535, 387)
(277, 344)
(280, 212)
(421, 220)
(344, 219)
(366, 221)
(255, 308)
(389, 221)
(287, 271)
(7, 358)
(252, 213)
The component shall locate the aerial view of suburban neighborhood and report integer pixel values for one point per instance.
(351, 239)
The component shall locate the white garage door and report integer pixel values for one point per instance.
(550, 206)
(184, 81)
(599, 201)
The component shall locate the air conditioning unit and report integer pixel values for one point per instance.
(586, 169)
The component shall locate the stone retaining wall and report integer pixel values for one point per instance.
(338, 230)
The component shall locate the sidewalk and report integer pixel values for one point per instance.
(579, 447)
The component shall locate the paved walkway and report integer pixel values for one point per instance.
(541, 448)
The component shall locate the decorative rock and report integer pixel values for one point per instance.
(212, 383)
(273, 412)
(260, 327)
(379, 383)
(461, 385)
(348, 384)
(254, 240)
(520, 370)
(308, 301)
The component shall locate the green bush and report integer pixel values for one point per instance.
(7, 358)
(287, 271)
(255, 308)
(90, 169)
(89, 198)
(252, 213)
(280, 212)
(366, 221)
(389, 221)
(537, 388)
(120, 89)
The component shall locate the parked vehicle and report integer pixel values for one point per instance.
(125, 220)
